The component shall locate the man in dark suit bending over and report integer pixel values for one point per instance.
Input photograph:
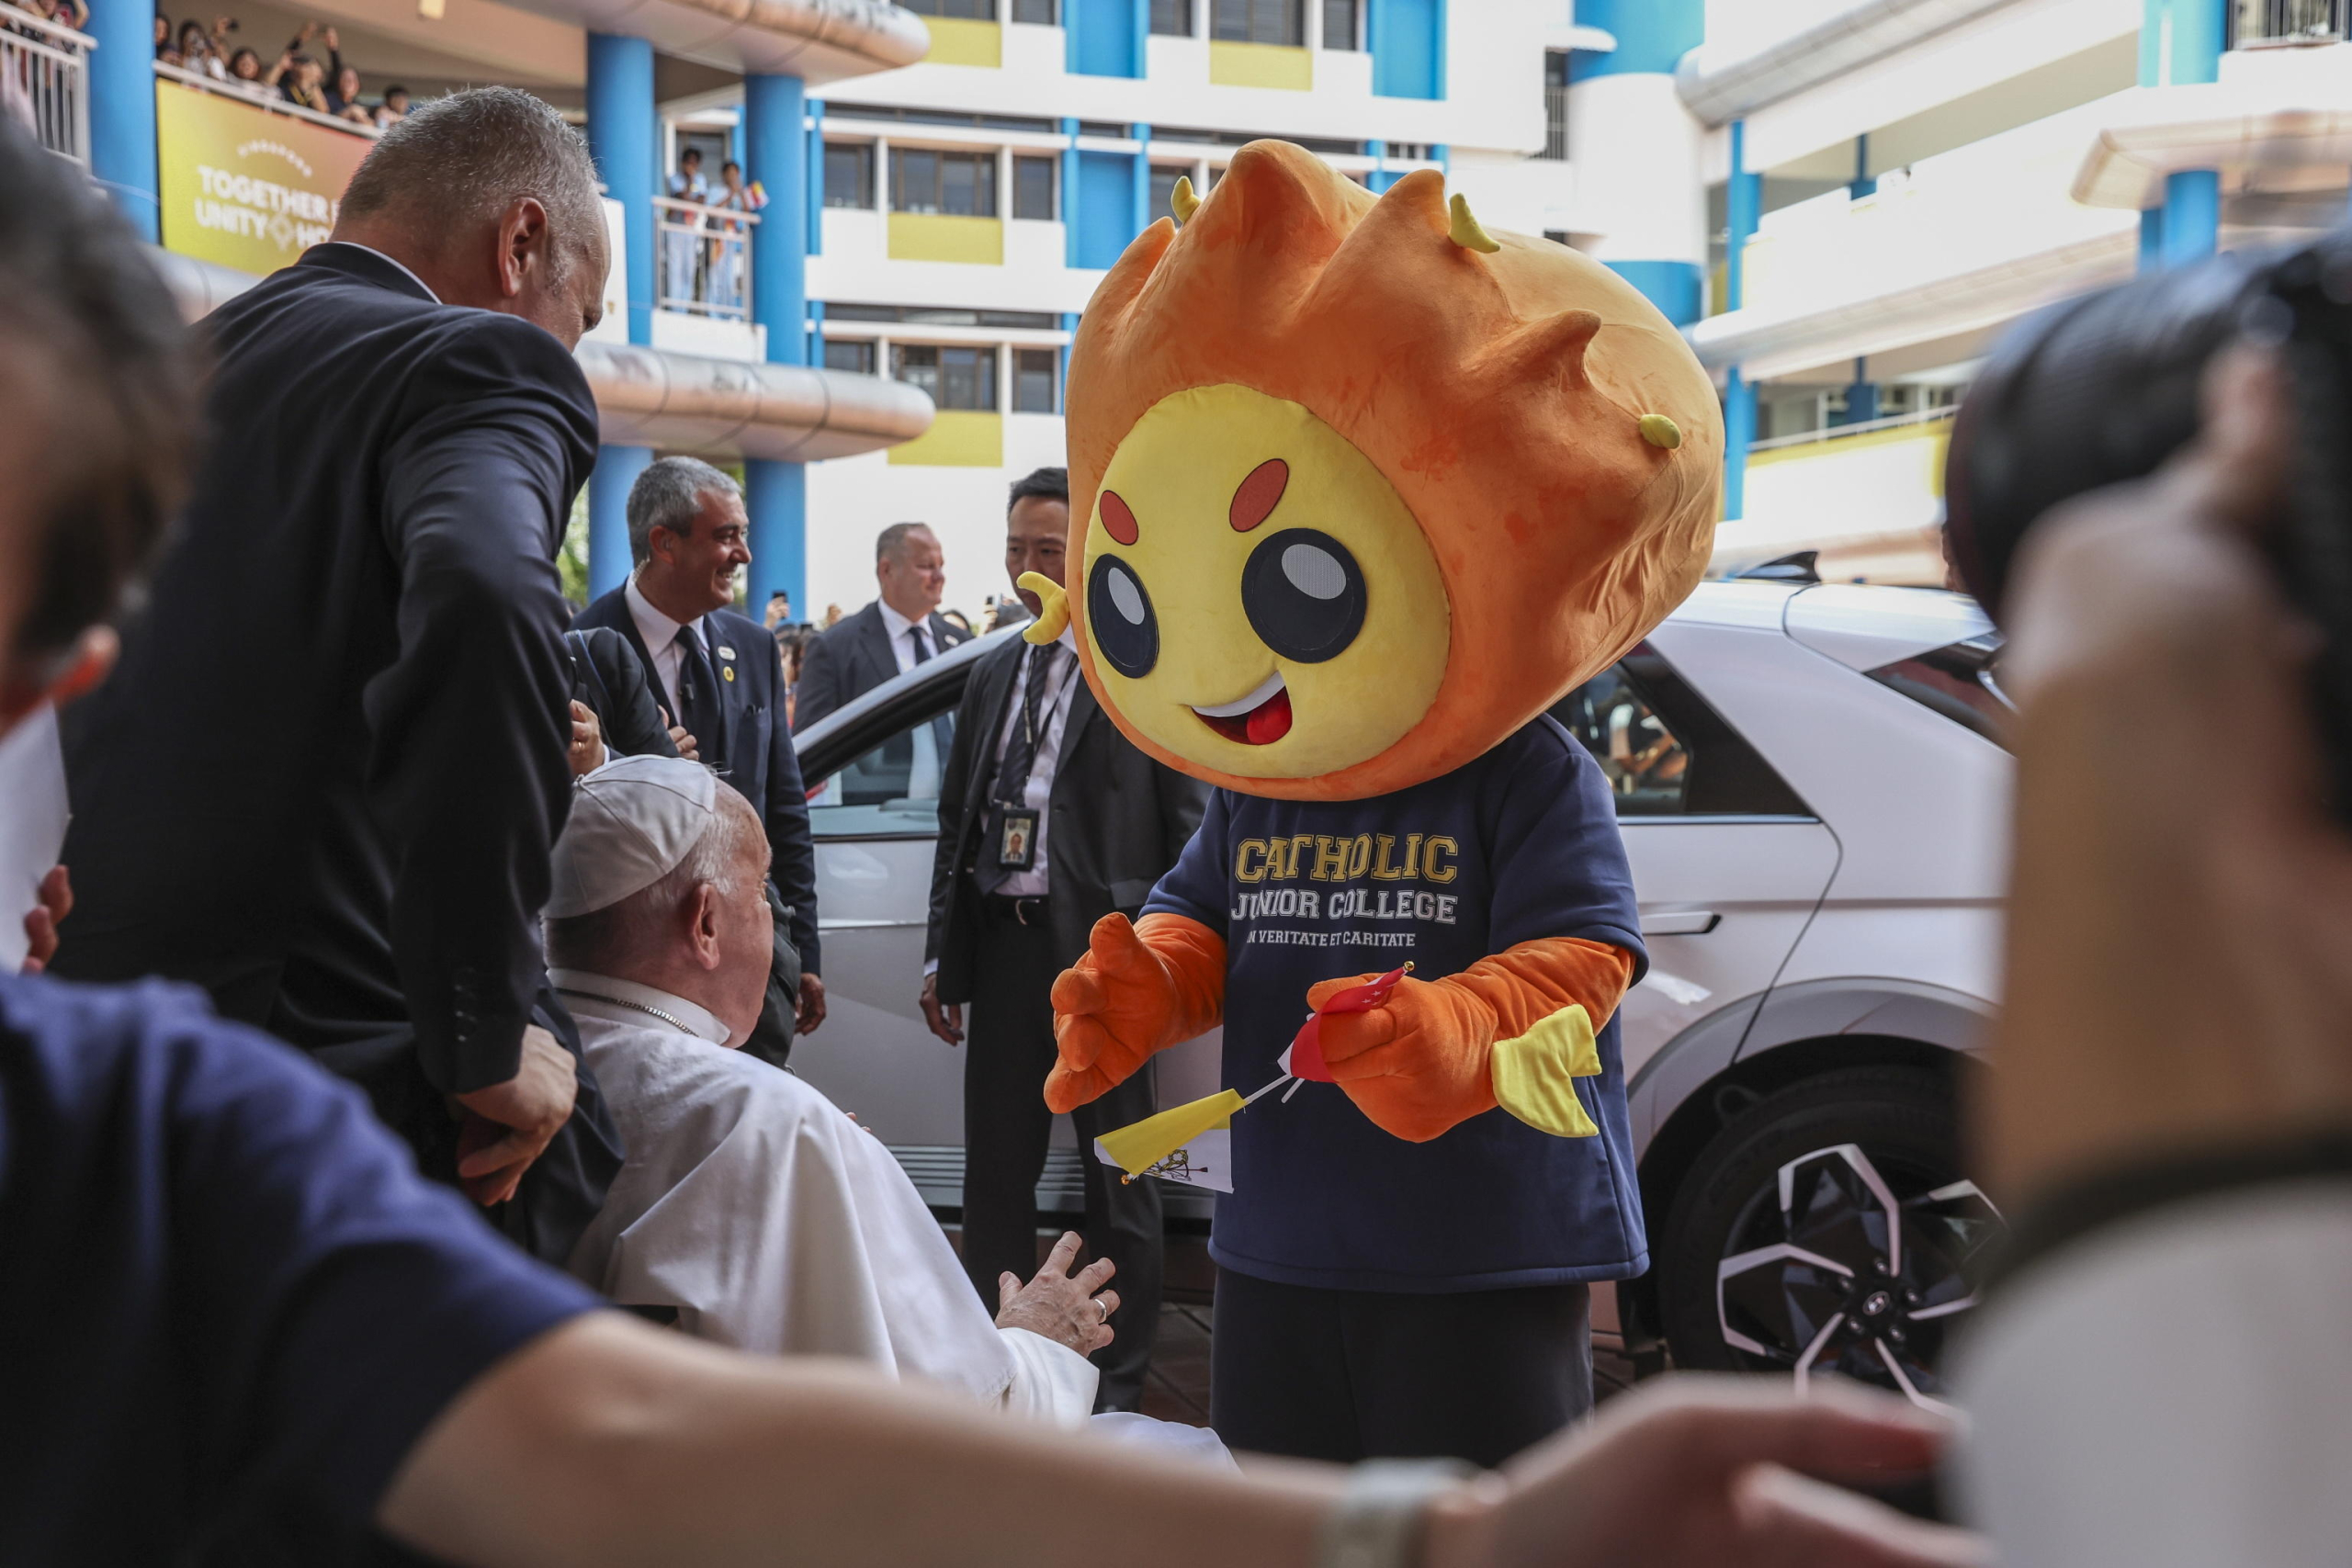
(899, 630)
(324, 781)
(721, 675)
(1049, 819)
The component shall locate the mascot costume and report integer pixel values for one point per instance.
(1358, 491)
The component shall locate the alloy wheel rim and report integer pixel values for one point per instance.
(1847, 1276)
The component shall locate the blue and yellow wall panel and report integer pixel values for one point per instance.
(1261, 65)
(958, 439)
(944, 237)
(958, 41)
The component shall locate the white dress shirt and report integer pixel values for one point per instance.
(923, 778)
(1053, 711)
(661, 634)
(774, 1223)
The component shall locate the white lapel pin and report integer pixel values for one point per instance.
(724, 651)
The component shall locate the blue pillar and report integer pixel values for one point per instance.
(816, 182)
(620, 138)
(122, 113)
(1658, 249)
(1142, 217)
(1070, 192)
(817, 339)
(1062, 388)
(777, 496)
(1744, 207)
(2180, 42)
(608, 487)
(1739, 433)
(1864, 183)
(1861, 397)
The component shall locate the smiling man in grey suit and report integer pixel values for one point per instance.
(1039, 776)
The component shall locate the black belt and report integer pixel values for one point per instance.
(1032, 911)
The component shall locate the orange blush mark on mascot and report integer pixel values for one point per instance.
(1359, 492)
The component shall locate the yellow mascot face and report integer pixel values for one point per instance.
(1265, 606)
(1359, 489)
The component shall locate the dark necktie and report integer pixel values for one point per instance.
(1019, 759)
(920, 643)
(1042, 678)
(698, 707)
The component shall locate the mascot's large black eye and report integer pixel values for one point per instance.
(1304, 595)
(1118, 614)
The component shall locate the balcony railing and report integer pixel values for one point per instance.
(262, 97)
(45, 81)
(2287, 22)
(705, 258)
(1556, 121)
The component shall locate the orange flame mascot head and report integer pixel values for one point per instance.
(1358, 490)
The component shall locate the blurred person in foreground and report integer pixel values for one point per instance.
(752, 1211)
(324, 781)
(251, 1315)
(1103, 823)
(721, 675)
(2158, 1377)
(900, 629)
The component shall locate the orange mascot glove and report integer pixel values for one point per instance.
(1426, 1060)
(1139, 989)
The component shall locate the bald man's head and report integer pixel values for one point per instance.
(491, 199)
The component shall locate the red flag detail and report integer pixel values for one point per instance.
(1306, 1047)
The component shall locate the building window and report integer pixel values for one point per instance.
(1033, 373)
(1032, 187)
(960, 183)
(855, 356)
(849, 173)
(1555, 104)
(1340, 22)
(1173, 18)
(1039, 13)
(955, 378)
(1259, 22)
(1163, 189)
(970, 10)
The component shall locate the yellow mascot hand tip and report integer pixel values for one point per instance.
(1052, 619)
(1182, 201)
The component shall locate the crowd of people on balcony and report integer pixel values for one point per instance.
(705, 255)
(297, 76)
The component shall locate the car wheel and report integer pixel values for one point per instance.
(1829, 1228)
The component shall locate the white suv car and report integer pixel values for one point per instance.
(1813, 801)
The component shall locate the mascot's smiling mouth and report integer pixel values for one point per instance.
(1258, 719)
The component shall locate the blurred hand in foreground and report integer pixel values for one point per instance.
(2179, 964)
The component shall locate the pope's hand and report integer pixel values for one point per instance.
(1417, 1064)
(1112, 1011)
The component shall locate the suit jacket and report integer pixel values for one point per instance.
(754, 745)
(324, 780)
(1116, 822)
(608, 676)
(845, 663)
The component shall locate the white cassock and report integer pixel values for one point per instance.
(774, 1223)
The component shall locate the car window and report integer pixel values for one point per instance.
(1666, 750)
(1960, 681)
(890, 790)
(1647, 767)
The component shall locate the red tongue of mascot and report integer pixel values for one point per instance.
(1416, 480)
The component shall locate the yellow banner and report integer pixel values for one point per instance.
(244, 187)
